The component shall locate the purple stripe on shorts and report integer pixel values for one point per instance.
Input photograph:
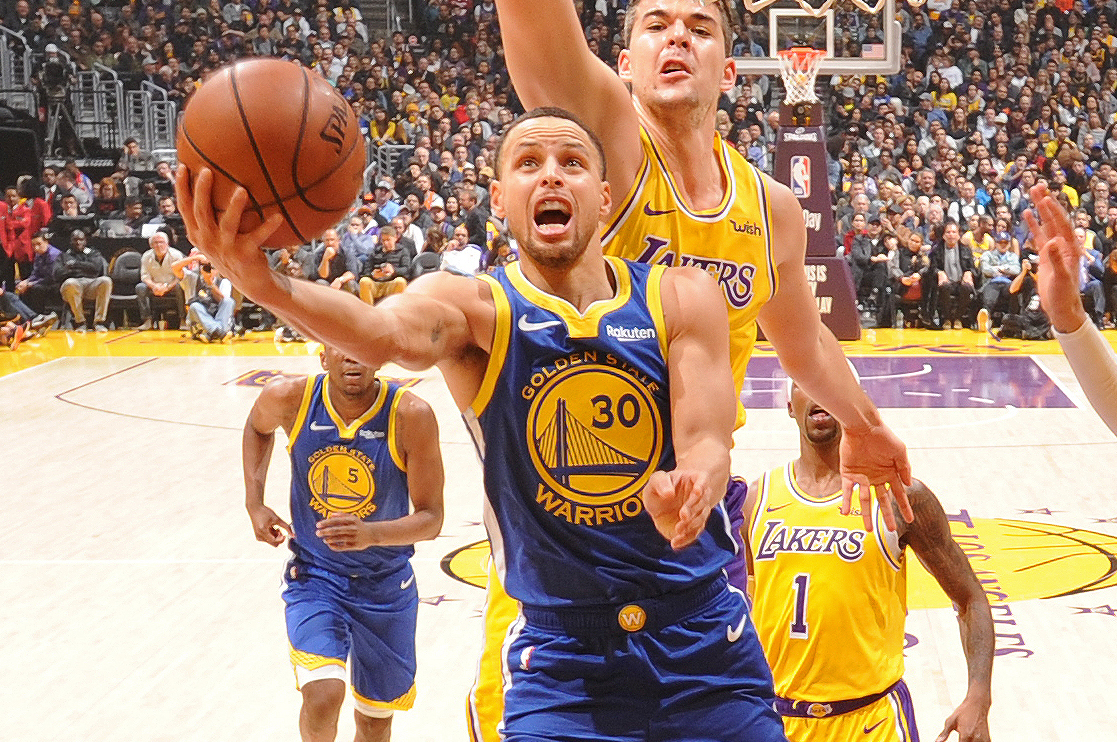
(901, 694)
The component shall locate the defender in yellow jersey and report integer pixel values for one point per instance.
(831, 598)
(732, 241)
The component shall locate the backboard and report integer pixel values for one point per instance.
(859, 36)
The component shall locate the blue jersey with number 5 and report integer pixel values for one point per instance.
(346, 468)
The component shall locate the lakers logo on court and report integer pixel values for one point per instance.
(595, 437)
(340, 481)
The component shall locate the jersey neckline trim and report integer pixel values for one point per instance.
(350, 431)
(579, 324)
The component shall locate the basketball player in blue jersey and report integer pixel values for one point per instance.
(600, 396)
(831, 599)
(366, 484)
(682, 196)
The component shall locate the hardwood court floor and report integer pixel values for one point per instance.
(137, 606)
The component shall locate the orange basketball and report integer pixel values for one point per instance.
(284, 134)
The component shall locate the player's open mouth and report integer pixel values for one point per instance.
(674, 68)
(552, 216)
(818, 414)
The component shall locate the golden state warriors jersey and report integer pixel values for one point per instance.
(732, 242)
(339, 468)
(571, 420)
(830, 599)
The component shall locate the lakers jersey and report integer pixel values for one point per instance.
(732, 242)
(571, 420)
(339, 468)
(830, 598)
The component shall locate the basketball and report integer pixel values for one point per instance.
(283, 133)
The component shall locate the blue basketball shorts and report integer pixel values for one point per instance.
(332, 618)
(689, 672)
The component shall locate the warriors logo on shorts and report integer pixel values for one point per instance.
(340, 481)
(595, 436)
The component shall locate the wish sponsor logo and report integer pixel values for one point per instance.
(629, 334)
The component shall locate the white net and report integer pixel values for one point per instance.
(799, 67)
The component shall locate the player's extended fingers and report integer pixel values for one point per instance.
(865, 496)
(1056, 220)
(1038, 230)
(900, 493)
(185, 197)
(229, 222)
(202, 195)
(880, 492)
(848, 486)
(950, 726)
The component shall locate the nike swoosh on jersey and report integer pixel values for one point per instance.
(867, 730)
(771, 509)
(733, 634)
(316, 427)
(655, 212)
(527, 326)
(407, 583)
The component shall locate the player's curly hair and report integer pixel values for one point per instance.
(726, 9)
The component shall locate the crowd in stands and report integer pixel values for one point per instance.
(930, 167)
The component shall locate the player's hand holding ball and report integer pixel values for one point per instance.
(270, 155)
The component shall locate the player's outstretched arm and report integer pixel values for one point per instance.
(277, 406)
(928, 535)
(551, 65)
(1090, 357)
(416, 331)
(872, 456)
(702, 407)
(417, 439)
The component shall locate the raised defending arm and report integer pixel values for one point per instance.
(872, 455)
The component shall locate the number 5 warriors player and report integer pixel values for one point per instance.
(831, 599)
(363, 453)
(601, 397)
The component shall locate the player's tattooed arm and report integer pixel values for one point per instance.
(929, 537)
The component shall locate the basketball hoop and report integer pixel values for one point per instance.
(799, 67)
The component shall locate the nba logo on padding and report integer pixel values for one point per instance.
(801, 176)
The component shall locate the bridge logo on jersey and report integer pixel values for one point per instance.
(734, 279)
(847, 543)
(340, 480)
(595, 436)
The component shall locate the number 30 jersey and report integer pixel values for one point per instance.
(572, 419)
(830, 598)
